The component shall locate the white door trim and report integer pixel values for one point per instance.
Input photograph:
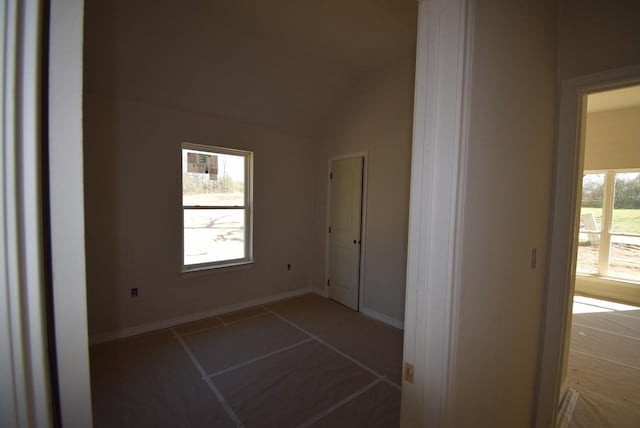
(363, 225)
(561, 261)
(67, 211)
(25, 387)
(438, 177)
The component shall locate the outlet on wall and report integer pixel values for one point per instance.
(134, 293)
(289, 266)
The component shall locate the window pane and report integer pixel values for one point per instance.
(212, 178)
(587, 259)
(624, 255)
(590, 223)
(626, 205)
(213, 235)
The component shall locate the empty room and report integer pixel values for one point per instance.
(296, 213)
(247, 172)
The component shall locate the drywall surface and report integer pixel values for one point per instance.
(508, 187)
(597, 35)
(279, 63)
(375, 117)
(612, 139)
(133, 197)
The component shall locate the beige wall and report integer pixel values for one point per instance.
(377, 118)
(596, 35)
(612, 139)
(506, 209)
(133, 223)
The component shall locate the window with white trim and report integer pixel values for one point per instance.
(609, 235)
(216, 207)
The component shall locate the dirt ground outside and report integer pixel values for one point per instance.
(624, 260)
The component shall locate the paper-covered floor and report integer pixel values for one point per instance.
(302, 362)
(603, 376)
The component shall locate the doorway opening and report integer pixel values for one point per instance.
(602, 375)
(346, 213)
(565, 223)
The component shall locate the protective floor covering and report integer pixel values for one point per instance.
(303, 362)
(604, 366)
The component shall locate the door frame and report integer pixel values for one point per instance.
(568, 166)
(27, 390)
(441, 121)
(363, 223)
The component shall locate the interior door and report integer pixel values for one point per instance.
(345, 230)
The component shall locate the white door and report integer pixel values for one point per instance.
(345, 223)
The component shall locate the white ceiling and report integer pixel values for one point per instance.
(283, 64)
(614, 100)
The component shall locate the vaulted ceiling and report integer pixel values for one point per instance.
(283, 64)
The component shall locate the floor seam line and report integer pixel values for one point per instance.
(340, 403)
(334, 349)
(607, 331)
(208, 381)
(604, 359)
(256, 359)
(620, 314)
(225, 324)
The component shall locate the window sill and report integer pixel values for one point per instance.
(204, 270)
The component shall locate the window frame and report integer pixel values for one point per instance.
(247, 207)
(605, 231)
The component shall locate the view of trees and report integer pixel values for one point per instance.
(592, 192)
(627, 193)
(195, 184)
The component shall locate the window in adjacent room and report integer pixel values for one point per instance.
(609, 237)
(216, 207)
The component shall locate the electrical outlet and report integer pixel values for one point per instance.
(134, 293)
(289, 266)
(409, 372)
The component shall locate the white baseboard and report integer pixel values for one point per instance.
(382, 317)
(172, 322)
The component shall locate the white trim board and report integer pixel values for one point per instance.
(386, 319)
(26, 385)
(438, 171)
(172, 322)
